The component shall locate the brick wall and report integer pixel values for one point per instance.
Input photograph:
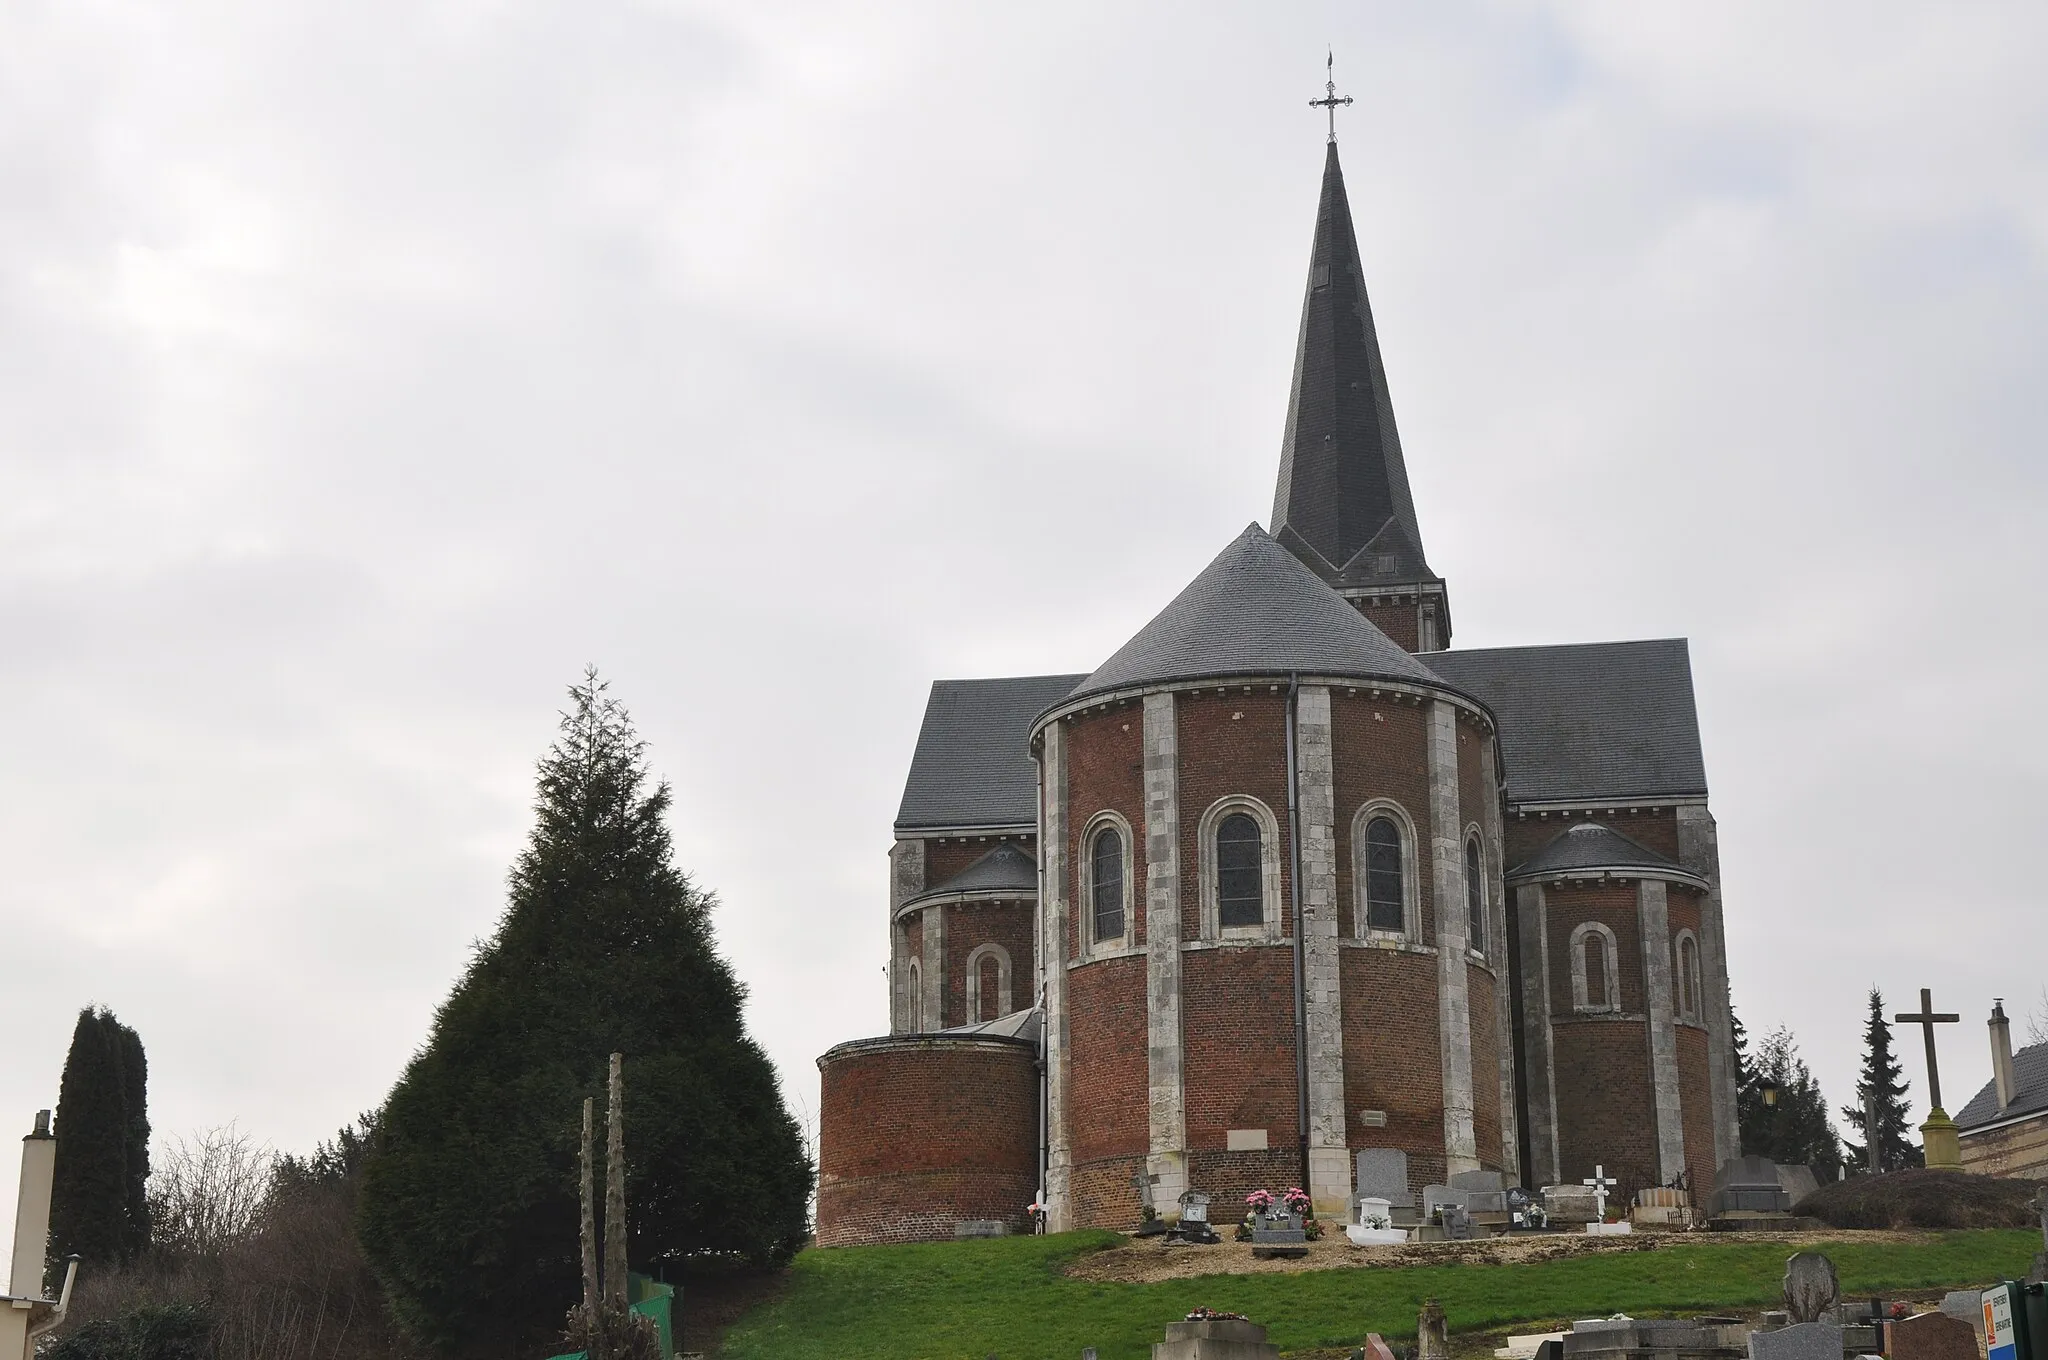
(1102, 1193)
(969, 925)
(1379, 749)
(1401, 622)
(1105, 772)
(1613, 905)
(1237, 1014)
(1227, 1177)
(1482, 990)
(915, 1135)
(1605, 1101)
(1392, 1060)
(1230, 743)
(1698, 1097)
(1107, 1115)
(2018, 1151)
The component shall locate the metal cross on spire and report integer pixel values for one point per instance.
(1330, 99)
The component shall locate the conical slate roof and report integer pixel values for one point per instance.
(1343, 502)
(1256, 610)
(1590, 846)
(1003, 869)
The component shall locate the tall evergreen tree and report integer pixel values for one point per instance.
(469, 1208)
(1797, 1128)
(1882, 1073)
(96, 1201)
(1752, 1116)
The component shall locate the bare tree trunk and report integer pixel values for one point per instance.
(589, 1225)
(615, 1189)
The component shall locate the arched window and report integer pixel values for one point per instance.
(1385, 897)
(1106, 883)
(916, 999)
(1475, 896)
(1596, 968)
(1688, 979)
(988, 983)
(1240, 898)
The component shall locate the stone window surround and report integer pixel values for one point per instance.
(1090, 947)
(1582, 935)
(916, 1000)
(1273, 927)
(1685, 977)
(1411, 888)
(1475, 835)
(1002, 958)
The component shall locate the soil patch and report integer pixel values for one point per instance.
(714, 1301)
(1143, 1261)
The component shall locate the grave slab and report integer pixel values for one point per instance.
(1215, 1339)
(1800, 1341)
(1933, 1336)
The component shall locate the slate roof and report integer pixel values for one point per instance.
(1598, 720)
(1255, 610)
(2030, 1091)
(1592, 846)
(1003, 869)
(973, 764)
(1025, 1024)
(1343, 490)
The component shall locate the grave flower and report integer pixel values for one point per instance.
(1298, 1202)
(1259, 1201)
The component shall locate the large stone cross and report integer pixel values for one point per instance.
(1927, 1020)
(1601, 1183)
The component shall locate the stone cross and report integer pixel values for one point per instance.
(1142, 1183)
(1927, 1020)
(1601, 1183)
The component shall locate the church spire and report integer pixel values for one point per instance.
(1343, 504)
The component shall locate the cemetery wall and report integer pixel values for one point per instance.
(2019, 1150)
(1378, 748)
(1105, 772)
(1107, 1115)
(1392, 1062)
(916, 1134)
(1696, 1092)
(970, 925)
(1232, 743)
(1482, 989)
(1401, 622)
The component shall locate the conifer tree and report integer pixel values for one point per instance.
(1883, 1073)
(469, 1202)
(1752, 1116)
(1797, 1128)
(97, 1206)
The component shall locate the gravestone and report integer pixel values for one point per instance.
(1797, 1182)
(1569, 1204)
(1277, 1227)
(1478, 1180)
(1933, 1336)
(1458, 1224)
(1656, 1339)
(1376, 1347)
(968, 1229)
(1749, 1185)
(1383, 1173)
(1486, 1201)
(1800, 1341)
(1435, 1197)
(1432, 1332)
(1811, 1289)
(1551, 1350)
(1149, 1222)
(1965, 1305)
(1215, 1339)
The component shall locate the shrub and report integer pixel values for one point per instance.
(1923, 1199)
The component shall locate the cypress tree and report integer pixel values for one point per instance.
(135, 1093)
(1883, 1073)
(469, 1209)
(89, 1198)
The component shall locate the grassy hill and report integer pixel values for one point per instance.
(1010, 1297)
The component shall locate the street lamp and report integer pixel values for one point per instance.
(1770, 1094)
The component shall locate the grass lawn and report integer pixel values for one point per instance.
(1008, 1298)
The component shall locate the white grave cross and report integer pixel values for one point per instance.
(1601, 1183)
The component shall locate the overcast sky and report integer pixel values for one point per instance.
(367, 370)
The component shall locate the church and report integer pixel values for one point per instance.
(1288, 877)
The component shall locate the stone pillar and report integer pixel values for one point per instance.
(1504, 1001)
(1653, 918)
(1052, 919)
(1538, 1052)
(1329, 1162)
(1447, 883)
(932, 972)
(1699, 851)
(906, 880)
(1167, 1160)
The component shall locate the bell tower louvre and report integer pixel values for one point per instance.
(1343, 505)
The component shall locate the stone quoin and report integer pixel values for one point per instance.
(1493, 871)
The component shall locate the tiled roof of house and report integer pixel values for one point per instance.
(2030, 1091)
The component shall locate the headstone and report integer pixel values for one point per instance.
(1568, 1204)
(1486, 1201)
(1797, 1182)
(1432, 1332)
(1373, 1207)
(1933, 1336)
(1811, 1289)
(1965, 1305)
(1800, 1341)
(969, 1228)
(1773, 1319)
(1601, 1183)
(1478, 1180)
(1277, 1227)
(1656, 1339)
(1458, 1224)
(1551, 1350)
(1215, 1339)
(1435, 1197)
(1383, 1172)
(1749, 1185)
(1376, 1347)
